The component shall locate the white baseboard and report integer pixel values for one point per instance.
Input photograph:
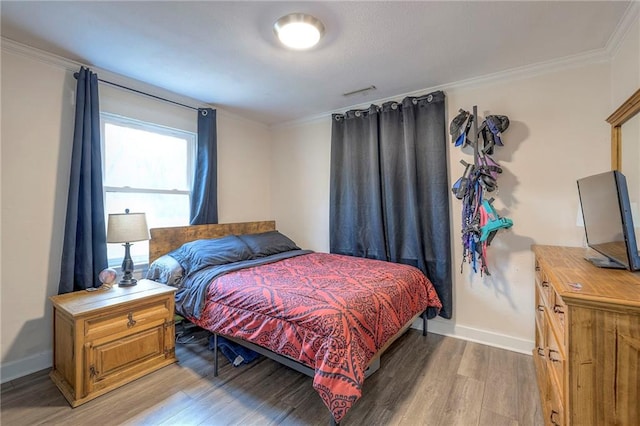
(502, 341)
(14, 369)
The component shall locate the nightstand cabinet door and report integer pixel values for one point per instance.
(114, 361)
(107, 338)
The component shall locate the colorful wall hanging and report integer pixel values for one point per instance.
(480, 221)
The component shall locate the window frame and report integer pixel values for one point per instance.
(190, 137)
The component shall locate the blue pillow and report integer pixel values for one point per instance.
(195, 255)
(166, 270)
(268, 243)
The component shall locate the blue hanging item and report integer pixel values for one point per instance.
(235, 353)
(458, 135)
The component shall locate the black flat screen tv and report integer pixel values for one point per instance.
(608, 222)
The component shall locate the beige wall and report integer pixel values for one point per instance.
(625, 65)
(36, 117)
(37, 132)
(557, 135)
(300, 180)
(244, 187)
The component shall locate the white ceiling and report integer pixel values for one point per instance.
(225, 53)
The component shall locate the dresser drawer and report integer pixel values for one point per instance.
(554, 307)
(555, 357)
(542, 283)
(540, 363)
(540, 305)
(558, 312)
(541, 336)
(556, 409)
(128, 319)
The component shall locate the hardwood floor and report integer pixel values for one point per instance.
(435, 380)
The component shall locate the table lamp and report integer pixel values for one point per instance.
(127, 228)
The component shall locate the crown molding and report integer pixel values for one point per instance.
(622, 30)
(533, 70)
(518, 73)
(70, 65)
(12, 46)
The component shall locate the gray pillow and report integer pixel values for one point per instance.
(268, 243)
(166, 270)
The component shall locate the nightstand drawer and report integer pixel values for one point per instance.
(129, 320)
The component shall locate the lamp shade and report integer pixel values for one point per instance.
(127, 227)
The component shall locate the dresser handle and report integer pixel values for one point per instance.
(554, 413)
(131, 322)
(541, 308)
(541, 352)
(92, 372)
(545, 284)
(551, 351)
(537, 268)
(558, 309)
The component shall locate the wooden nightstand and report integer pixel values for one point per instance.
(103, 339)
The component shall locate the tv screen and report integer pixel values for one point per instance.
(608, 222)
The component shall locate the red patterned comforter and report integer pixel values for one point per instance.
(330, 312)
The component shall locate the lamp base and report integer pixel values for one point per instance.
(127, 282)
(127, 279)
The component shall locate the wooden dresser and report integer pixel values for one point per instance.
(587, 353)
(103, 339)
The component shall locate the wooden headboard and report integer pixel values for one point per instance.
(164, 240)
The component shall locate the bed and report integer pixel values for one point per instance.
(328, 316)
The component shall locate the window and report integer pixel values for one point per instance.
(147, 168)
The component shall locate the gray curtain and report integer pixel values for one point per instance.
(84, 251)
(204, 194)
(389, 196)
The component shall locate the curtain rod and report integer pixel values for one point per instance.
(75, 75)
(147, 94)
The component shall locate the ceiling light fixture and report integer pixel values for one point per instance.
(298, 31)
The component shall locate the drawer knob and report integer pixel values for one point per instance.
(554, 415)
(131, 322)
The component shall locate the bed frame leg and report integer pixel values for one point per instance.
(215, 354)
(424, 323)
